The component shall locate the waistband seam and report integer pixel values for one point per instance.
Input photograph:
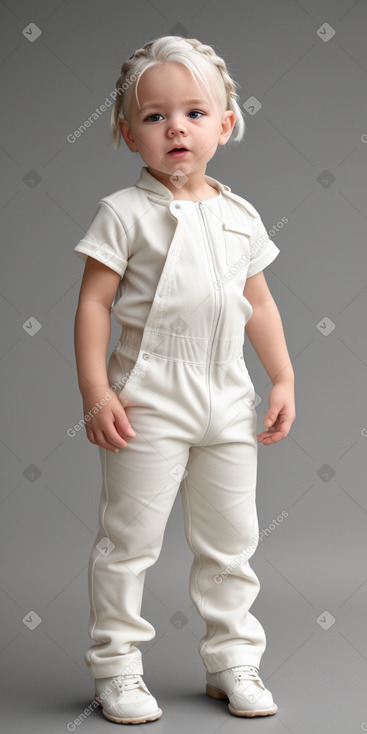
(179, 347)
(180, 337)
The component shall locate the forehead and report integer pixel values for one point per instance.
(167, 79)
(169, 70)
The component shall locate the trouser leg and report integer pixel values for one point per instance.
(138, 491)
(221, 528)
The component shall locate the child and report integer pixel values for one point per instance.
(182, 257)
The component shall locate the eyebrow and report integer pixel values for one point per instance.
(185, 101)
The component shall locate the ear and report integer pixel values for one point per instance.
(127, 135)
(227, 124)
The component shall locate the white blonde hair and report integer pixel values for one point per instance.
(200, 59)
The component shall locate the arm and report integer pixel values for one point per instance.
(91, 339)
(93, 324)
(265, 332)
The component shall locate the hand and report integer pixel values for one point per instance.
(281, 413)
(107, 427)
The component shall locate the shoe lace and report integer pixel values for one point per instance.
(128, 681)
(245, 672)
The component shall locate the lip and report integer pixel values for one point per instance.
(178, 153)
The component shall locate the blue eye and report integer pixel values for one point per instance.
(158, 114)
(154, 114)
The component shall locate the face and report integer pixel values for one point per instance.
(175, 111)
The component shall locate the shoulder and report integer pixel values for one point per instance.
(126, 206)
(243, 203)
(229, 196)
(239, 214)
(119, 200)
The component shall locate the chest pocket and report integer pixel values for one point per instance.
(237, 244)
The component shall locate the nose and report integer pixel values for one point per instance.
(176, 125)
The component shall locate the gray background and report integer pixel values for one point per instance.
(311, 567)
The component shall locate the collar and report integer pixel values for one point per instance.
(160, 193)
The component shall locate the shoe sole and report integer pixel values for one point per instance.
(129, 719)
(217, 693)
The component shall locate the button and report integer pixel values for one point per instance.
(146, 355)
(177, 206)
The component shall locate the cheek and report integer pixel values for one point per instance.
(153, 139)
(210, 133)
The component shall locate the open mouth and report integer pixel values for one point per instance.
(178, 150)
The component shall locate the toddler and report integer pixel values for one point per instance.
(179, 259)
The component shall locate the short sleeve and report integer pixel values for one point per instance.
(105, 239)
(263, 250)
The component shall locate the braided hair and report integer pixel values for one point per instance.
(199, 58)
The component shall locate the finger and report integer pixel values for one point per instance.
(123, 424)
(111, 444)
(271, 418)
(90, 436)
(115, 431)
(280, 419)
(267, 440)
(272, 436)
(104, 441)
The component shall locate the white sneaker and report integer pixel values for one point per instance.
(245, 690)
(126, 699)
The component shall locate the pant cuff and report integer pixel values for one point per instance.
(231, 656)
(130, 663)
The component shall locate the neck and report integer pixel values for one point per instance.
(192, 186)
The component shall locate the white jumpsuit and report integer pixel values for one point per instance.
(179, 372)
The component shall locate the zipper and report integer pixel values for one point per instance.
(212, 336)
